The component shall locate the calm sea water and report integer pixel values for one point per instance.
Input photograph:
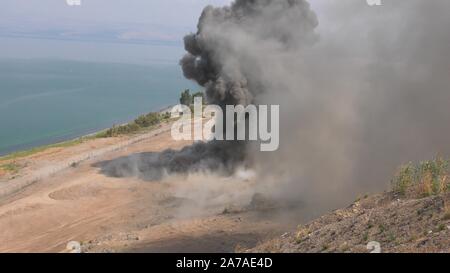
(43, 101)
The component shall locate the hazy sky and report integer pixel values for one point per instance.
(100, 30)
(131, 31)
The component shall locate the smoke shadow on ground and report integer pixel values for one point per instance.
(219, 157)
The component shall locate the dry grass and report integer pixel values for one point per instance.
(421, 180)
(446, 210)
(302, 234)
(11, 167)
(425, 185)
(404, 179)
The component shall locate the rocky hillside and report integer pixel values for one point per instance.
(414, 217)
(399, 225)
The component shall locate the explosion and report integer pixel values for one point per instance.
(359, 94)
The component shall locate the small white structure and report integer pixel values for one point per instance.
(375, 247)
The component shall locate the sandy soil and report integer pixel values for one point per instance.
(79, 202)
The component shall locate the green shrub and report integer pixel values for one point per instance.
(144, 121)
(148, 120)
(11, 167)
(426, 178)
(166, 116)
(433, 176)
(404, 179)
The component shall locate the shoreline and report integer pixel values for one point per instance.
(24, 168)
(64, 141)
(50, 161)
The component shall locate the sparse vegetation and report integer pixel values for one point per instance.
(421, 180)
(441, 227)
(302, 234)
(403, 179)
(365, 237)
(149, 120)
(11, 167)
(365, 196)
(142, 122)
(381, 228)
(391, 237)
(35, 150)
(399, 225)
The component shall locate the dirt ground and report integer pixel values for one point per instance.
(397, 224)
(70, 197)
(113, 214)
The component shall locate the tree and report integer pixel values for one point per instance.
(186, 97)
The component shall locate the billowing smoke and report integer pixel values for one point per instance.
(233, 48)
(360, 93)
(372, 93)
(227, 54)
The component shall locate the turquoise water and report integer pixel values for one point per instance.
(45, 101)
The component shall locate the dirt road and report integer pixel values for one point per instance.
(125, 214)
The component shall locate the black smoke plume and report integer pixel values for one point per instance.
(224, 56)
(363, 92)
